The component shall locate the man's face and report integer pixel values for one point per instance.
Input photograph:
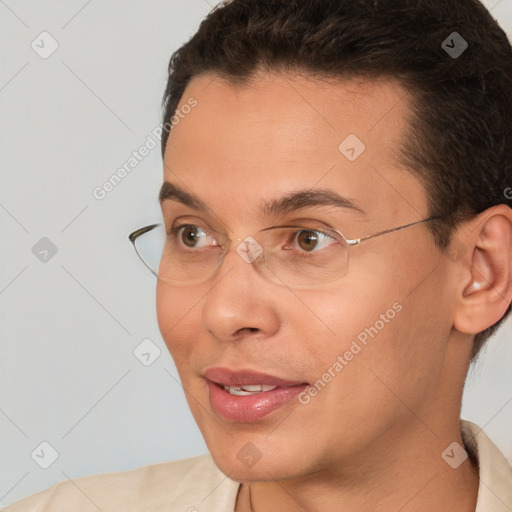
(375, 338)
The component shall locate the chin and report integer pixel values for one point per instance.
(245, 461)
(261, 471)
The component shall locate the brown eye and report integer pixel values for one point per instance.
(190, 235)
(307, 240)
(310, 242)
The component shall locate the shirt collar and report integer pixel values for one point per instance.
(495, 473)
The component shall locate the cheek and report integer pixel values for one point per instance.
(376, 361)
(165, 309)
(391, 323)
(177, 316)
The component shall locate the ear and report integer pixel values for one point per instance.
(486, 287)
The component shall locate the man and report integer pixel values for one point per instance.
(336, 248)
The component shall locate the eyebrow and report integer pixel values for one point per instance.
(289, 203)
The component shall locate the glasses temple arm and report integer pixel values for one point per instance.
(373, 235)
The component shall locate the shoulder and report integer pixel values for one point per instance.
(188, 485)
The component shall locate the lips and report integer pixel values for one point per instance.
(246, 396)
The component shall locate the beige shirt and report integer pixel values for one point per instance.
(197, 485)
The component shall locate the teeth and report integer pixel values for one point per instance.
(259, 387)
(248, 390)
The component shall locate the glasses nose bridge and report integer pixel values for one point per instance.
(247, 248)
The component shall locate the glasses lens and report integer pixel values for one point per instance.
(298, 257)
(184, 257)
(302, 257)
(149, 246)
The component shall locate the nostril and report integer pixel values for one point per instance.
(250, 329)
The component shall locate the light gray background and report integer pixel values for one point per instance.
(69, 326)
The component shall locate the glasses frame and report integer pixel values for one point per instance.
(350, 242)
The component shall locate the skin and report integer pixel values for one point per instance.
(372, 439)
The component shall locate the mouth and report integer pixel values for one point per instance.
(249, 389)
(247, 396)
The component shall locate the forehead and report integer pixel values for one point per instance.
(284, 131)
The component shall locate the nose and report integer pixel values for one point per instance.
(239, 301)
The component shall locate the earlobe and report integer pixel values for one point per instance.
(487, 292)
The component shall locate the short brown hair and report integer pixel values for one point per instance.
(460, 139)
